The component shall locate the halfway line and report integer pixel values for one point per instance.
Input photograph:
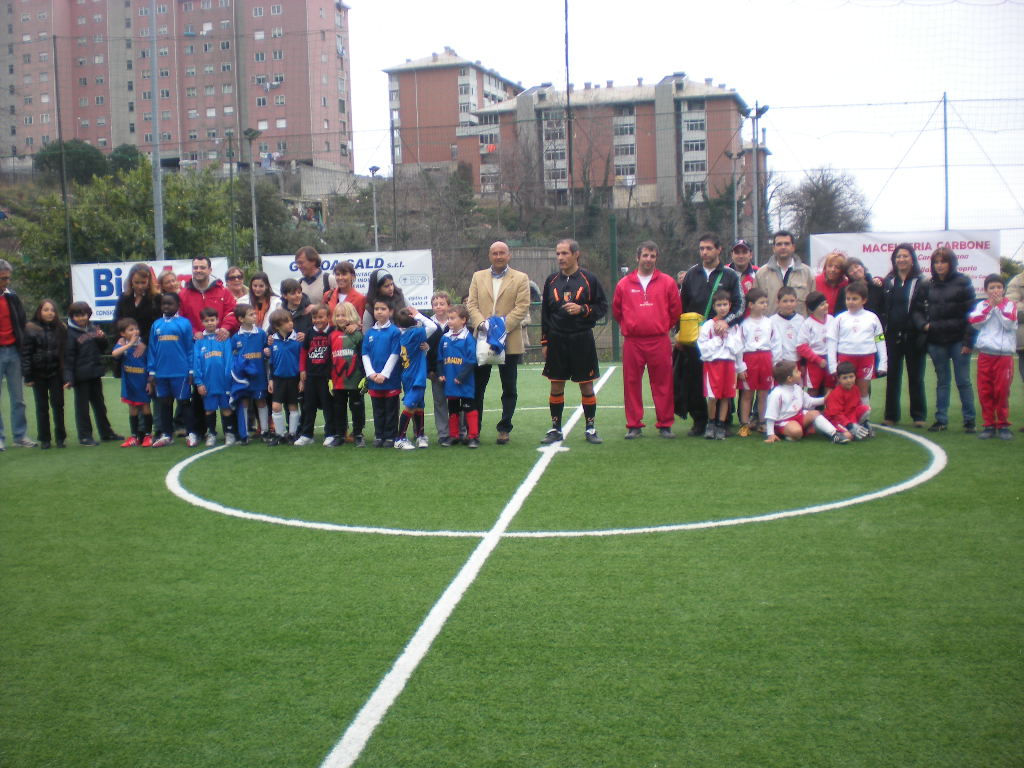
(354, 740)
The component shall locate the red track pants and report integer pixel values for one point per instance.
(995, 374)
(654, 353)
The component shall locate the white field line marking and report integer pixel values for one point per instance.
(353, 741)
(938, 463)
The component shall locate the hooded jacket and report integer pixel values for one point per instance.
(42, 350)
(83, 356)
(943, 305)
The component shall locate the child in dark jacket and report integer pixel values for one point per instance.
(83, 370)
(42, 360)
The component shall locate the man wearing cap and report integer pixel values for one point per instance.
(500, 291)
(785, 268)
(646, 306)
(742, 265)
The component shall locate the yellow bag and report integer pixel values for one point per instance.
(689, 327)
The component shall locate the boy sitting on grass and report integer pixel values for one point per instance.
(788, 415)
(843, 407)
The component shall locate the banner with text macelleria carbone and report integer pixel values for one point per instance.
(977, 250)
(101, 284)
(413, 271)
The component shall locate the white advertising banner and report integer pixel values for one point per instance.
(977, 250)
(102, 284)
(413, 271)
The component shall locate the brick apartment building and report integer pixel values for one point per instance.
(222, 66)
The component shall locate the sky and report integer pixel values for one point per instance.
(855, 84)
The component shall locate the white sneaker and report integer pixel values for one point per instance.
(404, 445)
(421, 442)
(329, 442)
(211, 440)
(303, 440)
(25, 442)
(230, 439)
(162, 442)
(192, 440)
(3, 446)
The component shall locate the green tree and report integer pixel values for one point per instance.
(83, 161)
(125, 157)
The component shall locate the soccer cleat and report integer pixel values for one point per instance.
(302, 440)
(87, 441)
(359, 442)
(987, 433)
(421, 442)
(667, 433)
(230, 439)
(938, 426)
(503, 438)
(131, 442)
(633, 433)
(744, 431)
(472, 442)
(404, 445)
(840, 438)
(552, 436)
(211, 440)
(25, 442)
(192, 440)
(147, 441)
(1004, 433)
(710, 432)
(162, 442)
(330, 441)
(446, 442)
(592, 437)
(969, 428)
(720, 432)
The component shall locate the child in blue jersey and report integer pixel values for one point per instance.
(285, 385)
(456, 362)
(416, 329)
(169, 360)
(211, 372)
(130, 350)
(249, 370)
(381, 354)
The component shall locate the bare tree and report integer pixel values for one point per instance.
(826, 200)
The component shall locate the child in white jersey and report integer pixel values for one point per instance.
(857, 336)
(755, 374)
(995, 319)
(812, 345)
(786, 324)
(722, 355)
(789, 413)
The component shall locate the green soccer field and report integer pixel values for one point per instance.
(534, 625)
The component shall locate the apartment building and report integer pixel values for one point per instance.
(219, 75)
(432, 99)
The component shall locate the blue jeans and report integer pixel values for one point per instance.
(10, 369)
(942, 355)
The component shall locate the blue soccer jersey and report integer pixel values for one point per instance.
(284, 356)
(250, 345)
(413, 359)
(378, 347)
(212, 364)
(169, 355)
(457, 359)
(134, 376)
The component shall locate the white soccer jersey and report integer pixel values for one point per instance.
(813, 338)
(785, 330)
(757, 334)
(715, 347)
(857, 333)
(784, 402)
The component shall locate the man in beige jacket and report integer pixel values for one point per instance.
(501, 291)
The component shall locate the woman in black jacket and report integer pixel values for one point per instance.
(941, 311)
(140, 300)
(904, 342)
(42, 363)
(855, 270)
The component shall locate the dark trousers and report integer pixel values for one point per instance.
(345, 401)
(904, 349)
(509, 374)
(49, 393)
(385, 417)
(90, 393)
(317, 395)
(165, 407)
(688, 370)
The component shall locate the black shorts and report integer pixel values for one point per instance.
(571, 357)
(286, 390)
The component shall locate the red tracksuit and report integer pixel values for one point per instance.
(645, 317)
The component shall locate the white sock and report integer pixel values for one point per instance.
(279, 423)
(262, 415)
(865, 400)
(824, 426)
(293, 422)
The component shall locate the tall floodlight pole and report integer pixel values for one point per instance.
(231, 193)
(733, 157)
(251, 134)
(158, 188)
(758, 113)
(373, 191)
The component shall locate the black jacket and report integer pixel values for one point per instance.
(83, 357)
(875, 303)
(696, 291)
(943, 305)
(42, 351)
(900, 297)
(145, 314)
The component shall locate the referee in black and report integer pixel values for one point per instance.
(572, 302)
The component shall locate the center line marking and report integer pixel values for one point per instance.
(354, 740)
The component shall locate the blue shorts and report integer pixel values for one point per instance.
(216, 402)
(174, 386)
(414, 397)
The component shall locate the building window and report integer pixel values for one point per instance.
(257, 12)
(693, 188)
(259, 34)
(193, 114)
(695, 105)
(695, 166)
(261, 101)
(694, 146)
(211, 111)
(279, 100)
(191, 92)
(624, 129)
(277, 32)
(209, 90)
(554, 155)
(281, 123)
(278, 55)
(275, 10)
(260, 56)
(227, 88)
(100, 100)
(693, 125)
(625, 109)
(262, 125)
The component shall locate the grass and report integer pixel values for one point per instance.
(140, 631)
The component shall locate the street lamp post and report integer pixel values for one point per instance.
(758, 113)
(251, 134)
(733, 157)
(373, 191)
(231, 193)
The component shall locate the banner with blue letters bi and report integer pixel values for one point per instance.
(102, 284)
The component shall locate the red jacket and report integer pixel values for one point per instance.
(217, 296)
(841, 405)
(653, 312)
